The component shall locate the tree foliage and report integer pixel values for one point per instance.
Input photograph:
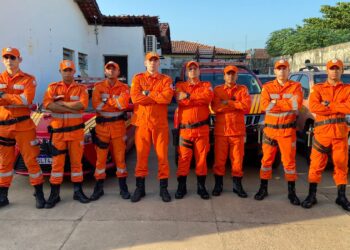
(332, 28)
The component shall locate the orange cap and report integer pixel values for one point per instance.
(151, 55)
(230, 68)
(335, 62)
(10, 51)
(114, 64)
(67, 64)
(281, 62)
(188, 64)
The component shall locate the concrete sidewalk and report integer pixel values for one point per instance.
(225, 222)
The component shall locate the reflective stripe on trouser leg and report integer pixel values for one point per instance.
(340, 160)
(101, 159)
(221, 149)
(30, 152)
(75, 150)
(236, 155)
(58, 162)
(269, 154)
(7, 158)
(201, 148)
(287, 146)
(160, 138)
(185, 156)
(118, 147)
(143, 142)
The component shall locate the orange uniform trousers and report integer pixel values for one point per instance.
(339, 150)
(118, 151)
(232, 146)
(287, 146)
(144, 137)
(75, 150)
(29, 148)
(200, 146)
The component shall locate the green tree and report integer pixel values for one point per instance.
(275, 43)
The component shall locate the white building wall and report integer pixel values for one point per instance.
(41, 29)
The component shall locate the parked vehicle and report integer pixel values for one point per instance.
(42, 119)
(213, 72)
(306, 119)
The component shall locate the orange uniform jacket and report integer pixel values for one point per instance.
(289, 100)
(195, 108)
(339, 98)
(20, 92)
(72, 93)
(229, 120)
(151, 111)
(118, 97)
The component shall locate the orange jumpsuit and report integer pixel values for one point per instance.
(19, 93)
(151, 120)
(109, 102)
(72, 141)
(330, 130)
(280, 124)
(193, 115)
(230, 127)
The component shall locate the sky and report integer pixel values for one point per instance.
(230, 24)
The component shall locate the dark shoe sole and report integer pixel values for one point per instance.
(342, 205)
(242, 195)
(137, 200)
(95, 198)
(308, 206)
(260, 198)
(51, 205)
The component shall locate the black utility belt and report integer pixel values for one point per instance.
(281, 126)
(194, 125)
(15, 120)
(330, 121)
(65, 129)
(101, 119)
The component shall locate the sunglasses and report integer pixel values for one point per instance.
(10, 57)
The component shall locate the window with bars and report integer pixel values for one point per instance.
(83, 61)
(68, 54)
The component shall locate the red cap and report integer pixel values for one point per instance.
(151, 55)
(111, 63)
(10, 51)
(188, 64)
(335, 62)
(67, 64)
(230, 68)
(281, 62)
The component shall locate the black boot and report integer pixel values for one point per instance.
(218, 185)
(98, 190)
(201, 190)
(54, 196)
(292, 196)
(164, 191)
(311, 198)
(262, 193)
(140, 190)
(237, 187)
(3, 196)
(79, 194)
(124, 192)
(39, 196)
(181, 188)
(341, 199)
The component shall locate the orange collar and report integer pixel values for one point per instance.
(338, 83)
(116, 84)
(155, 75)
(234, 85)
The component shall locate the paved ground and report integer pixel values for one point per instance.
(225, 222)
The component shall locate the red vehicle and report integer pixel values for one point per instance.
(42, 119)
(254, 120)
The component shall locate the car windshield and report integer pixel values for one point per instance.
(345, 78)
(243, 78)
(265, 79)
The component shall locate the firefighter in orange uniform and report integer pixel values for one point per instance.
(280, 99)
(17, 91)
(151, 92)
(193, 98)
(231, 102)
(330, 101)
(110, 98)
(67, 101)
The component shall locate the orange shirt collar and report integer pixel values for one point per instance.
(155, 75)
(234, 85)
(106, 83)
(338, 83)
(6, 75)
